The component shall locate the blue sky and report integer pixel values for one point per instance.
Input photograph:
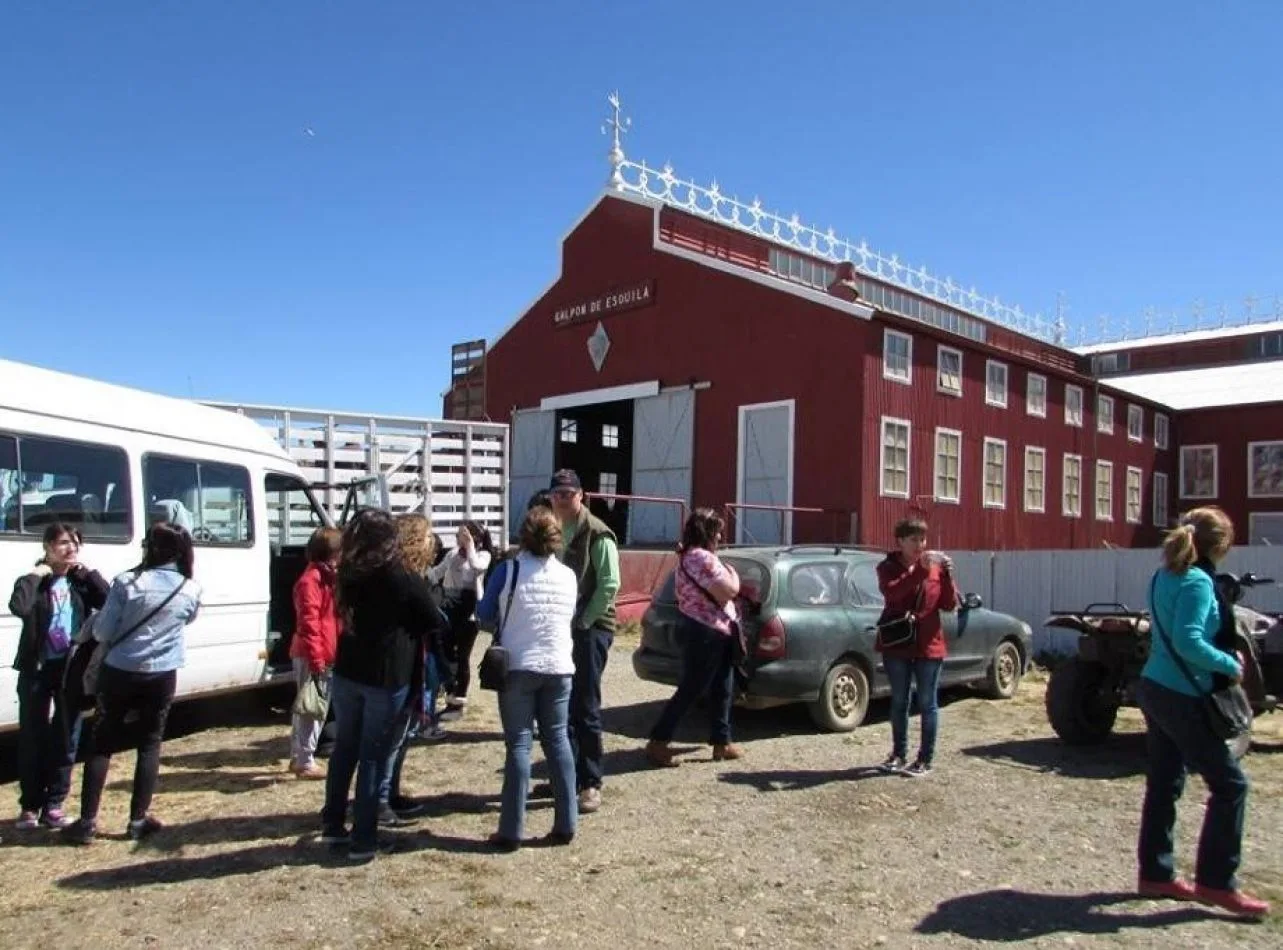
(166, 222)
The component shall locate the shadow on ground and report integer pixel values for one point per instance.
(304, 851)
(795, 780)
(1010, 916)
(1121, 756)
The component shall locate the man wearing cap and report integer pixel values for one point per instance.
(590, 549)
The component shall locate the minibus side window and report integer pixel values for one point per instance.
(210, 499)
(43, 481)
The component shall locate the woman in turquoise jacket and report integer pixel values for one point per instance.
(1187, 612)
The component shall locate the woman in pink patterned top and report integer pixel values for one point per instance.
(706, 592)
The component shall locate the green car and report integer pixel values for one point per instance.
(809, 614)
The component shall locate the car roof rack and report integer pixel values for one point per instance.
(832, 548)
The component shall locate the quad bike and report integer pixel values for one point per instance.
(1086, 691)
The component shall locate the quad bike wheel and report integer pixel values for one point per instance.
(1080, 705)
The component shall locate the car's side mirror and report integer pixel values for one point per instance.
(972, 602)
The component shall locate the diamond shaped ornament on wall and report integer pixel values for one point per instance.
(598, 347)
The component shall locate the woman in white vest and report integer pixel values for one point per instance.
(530, 600)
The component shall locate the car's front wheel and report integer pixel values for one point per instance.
(1005, 669)
(844, 698)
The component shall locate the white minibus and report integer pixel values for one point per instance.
(109, 460)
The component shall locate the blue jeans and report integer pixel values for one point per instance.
(925, 675)
(390, 783)
(706, 668)
(591, 651)
(48, 734)
(525, 698)
(366, 719)
(1180, 739)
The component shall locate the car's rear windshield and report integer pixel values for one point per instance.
(750, 572)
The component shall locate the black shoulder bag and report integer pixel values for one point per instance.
(902, 631)
(493, 672)
(1227, 710)
(739, 642)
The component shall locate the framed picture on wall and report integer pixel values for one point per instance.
(1265, 469)
(1198, 471)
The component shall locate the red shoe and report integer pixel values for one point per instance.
(1175, 889)
(1236, 902)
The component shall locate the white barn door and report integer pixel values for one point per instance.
(533, 444)
(663, 447)
(765, 467)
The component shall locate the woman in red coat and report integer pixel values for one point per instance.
(316, 633)
(917, 581)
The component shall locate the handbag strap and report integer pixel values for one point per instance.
(1180, 661)
(146, 618)
(512, 589)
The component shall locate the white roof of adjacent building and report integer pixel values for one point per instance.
(1244, 384)
(1187, 336)
(48, 392)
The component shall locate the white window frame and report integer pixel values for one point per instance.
(990, 400)
(1095, 491)
(1064, 486)
(1164, 425)
(1161, 516)
(935, 468)
(882, 458)
(1101, 402)
(1140, 500)
(609, 429)
(1216, 472)
(1135, 412)
(568, 427)
(1070, 420)
(887, 372)
(1030, 407)
(1036, 450)
(984, 473)
(941, 350)
(1251, 481)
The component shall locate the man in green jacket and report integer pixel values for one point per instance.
(590, 549)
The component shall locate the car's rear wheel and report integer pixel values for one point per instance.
(1005, 669)
(1080, 705)
(844, 698)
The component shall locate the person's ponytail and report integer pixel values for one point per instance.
(1179, 553)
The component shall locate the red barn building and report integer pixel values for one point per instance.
(698, 349)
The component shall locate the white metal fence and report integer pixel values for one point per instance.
(1032, 584)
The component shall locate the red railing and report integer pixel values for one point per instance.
(828, 525)
(682, 509)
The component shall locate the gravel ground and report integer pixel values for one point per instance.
(1015, 840)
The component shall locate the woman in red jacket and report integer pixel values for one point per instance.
(917, 581)
(316, 632)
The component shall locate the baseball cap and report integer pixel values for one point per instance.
(565, 478)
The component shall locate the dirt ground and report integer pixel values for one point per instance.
(1014, 840)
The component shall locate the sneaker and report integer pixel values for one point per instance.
(589, 801)
(80, 832)
(407, 807)
(500, 843)
(334, 836)
(1236, 902)
(450, 714)
(309, 773)
(144, 827)
(919, 769)
(28, 820)
(368, 852)
(55, 818)
(433, 733)
(558, 839)
(388, 818)
(1175, 889)
(893, 765)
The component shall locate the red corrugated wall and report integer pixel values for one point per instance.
(753, 344)
(969, 525)
(1231, 429)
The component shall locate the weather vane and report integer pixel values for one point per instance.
(615, 126)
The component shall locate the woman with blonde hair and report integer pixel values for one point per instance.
(1185, 663)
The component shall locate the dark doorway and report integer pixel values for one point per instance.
(597, 442)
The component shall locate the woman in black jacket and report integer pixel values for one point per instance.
(52, 602)
(385, 612)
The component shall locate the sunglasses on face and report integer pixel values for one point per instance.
(564, 493)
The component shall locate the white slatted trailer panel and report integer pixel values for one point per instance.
(449, 470)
